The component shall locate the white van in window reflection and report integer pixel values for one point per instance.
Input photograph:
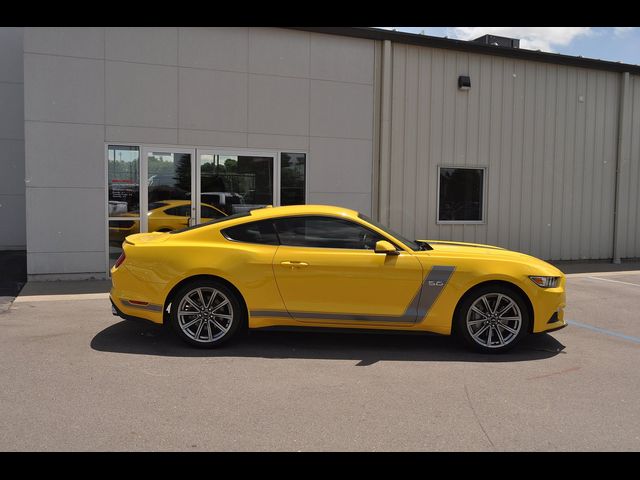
(223, 200)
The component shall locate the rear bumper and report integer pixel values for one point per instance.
(119, 313)
(136, 298)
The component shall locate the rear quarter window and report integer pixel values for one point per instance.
(261, 232)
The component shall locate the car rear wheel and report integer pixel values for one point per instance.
(492, 319)
(206, 313)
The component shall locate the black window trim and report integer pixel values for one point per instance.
(483, 209)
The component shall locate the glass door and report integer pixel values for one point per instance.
(167, 200)
(233, 182)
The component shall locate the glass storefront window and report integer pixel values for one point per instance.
(169, 183)
(236, 183)
(123, 180)
(226, 183)
(292, 178)
(118, 230)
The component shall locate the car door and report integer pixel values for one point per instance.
(327, 271)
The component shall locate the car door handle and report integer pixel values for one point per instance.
(294, 264)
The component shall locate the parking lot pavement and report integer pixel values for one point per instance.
(76, 378)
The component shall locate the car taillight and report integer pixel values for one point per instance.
(120, 260)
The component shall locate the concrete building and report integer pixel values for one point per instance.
(109, 131)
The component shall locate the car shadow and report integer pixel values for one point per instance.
(366, 348)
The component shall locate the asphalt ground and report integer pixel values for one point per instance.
(76, 378)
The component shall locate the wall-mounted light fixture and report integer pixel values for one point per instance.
(464, 83)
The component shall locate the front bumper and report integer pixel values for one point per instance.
(548, 306)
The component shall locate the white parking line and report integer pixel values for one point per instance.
(614, 281)
(605, 331)
(608, 274)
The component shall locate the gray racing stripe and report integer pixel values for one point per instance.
(432, 287)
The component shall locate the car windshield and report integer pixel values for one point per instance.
(413, 245)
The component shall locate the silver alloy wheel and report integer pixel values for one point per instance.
(494, 320)
(205, 314)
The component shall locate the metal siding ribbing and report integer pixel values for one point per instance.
(630, 178)
(609, 164)
(398, 138)
(633, 248)
(547, 134)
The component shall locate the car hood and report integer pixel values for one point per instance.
(444, 244)
(490, 251)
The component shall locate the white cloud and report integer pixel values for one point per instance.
(533, 38)
(619, 31)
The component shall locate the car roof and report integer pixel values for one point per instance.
(271, 212)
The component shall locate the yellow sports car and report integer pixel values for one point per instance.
(321, 266)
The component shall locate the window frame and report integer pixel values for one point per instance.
(483, 208)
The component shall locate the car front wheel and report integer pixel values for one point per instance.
(206, 313)
(493, 319)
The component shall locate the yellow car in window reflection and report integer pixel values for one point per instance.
(320, 266)
(163, 216)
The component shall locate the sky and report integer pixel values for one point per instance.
(616, 44)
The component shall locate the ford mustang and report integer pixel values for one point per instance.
(321, 266)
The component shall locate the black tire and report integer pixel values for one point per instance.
(495, 328)
(210, 335)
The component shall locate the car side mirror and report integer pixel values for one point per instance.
(385, 247)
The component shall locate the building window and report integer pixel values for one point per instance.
(123, 202)
(292, 178)
(123, 180)
(461, 193)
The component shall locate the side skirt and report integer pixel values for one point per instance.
(311, 328)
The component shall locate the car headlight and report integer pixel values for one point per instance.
(545, 282)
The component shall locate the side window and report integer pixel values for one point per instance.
(325, 232)
(254, 232)
(181, 211)
(208, 212)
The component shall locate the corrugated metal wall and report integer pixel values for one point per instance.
(547, 134)
(630, 174)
